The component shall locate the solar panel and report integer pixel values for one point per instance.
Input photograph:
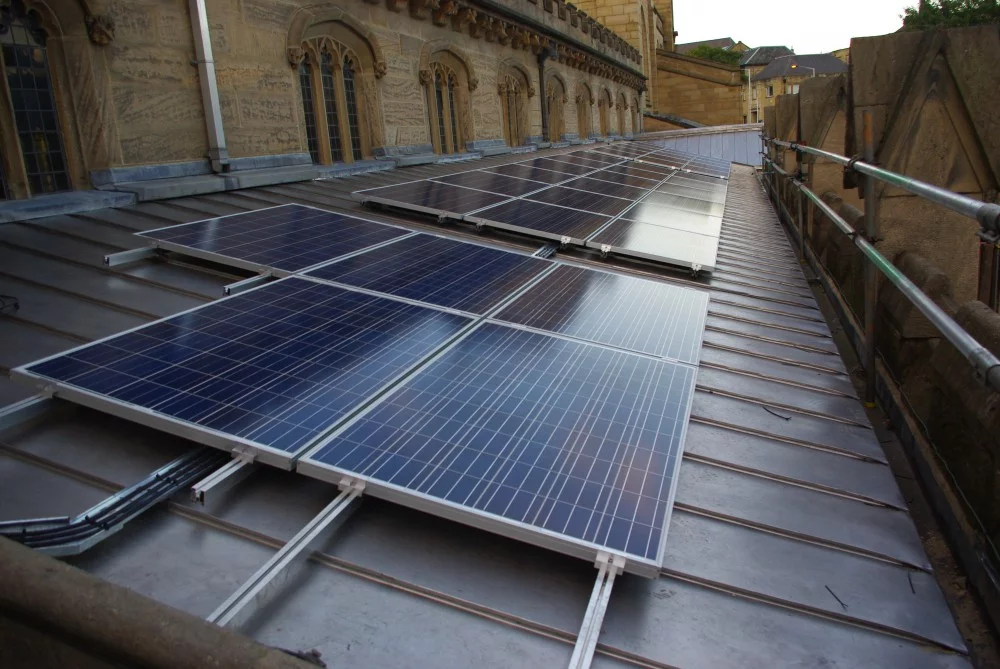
(655, 242)
(544, 220)
(677, 201)
(522, 171)
(625, 178)
(626, 312)
(583, 161)
(599, 157)
(432, 197)
(560, 166)
(678, 219)
(438, 271)
(596, 185)
(494, 183)
(675, 187)
(568, 445)
(273, 368)
(288, 238)
(634, 170)
(582, 200)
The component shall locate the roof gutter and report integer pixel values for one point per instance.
(218, 154)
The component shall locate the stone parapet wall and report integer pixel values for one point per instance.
(697, 89)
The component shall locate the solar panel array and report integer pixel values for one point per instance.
(634, 199)
(539, 400)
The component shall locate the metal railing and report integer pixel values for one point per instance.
(985, 364)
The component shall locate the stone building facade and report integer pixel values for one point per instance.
(101, 91)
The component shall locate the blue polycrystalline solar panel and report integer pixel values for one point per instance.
(543, 219)
(287, 238)
(274, 368)
(438, 271)
(582, 200)
(494, 183)
(565, 444)
(626, 312)
(523, 171)
(432, 196)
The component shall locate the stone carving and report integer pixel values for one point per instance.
(395, 5)
(100, 29)
(296, 55)
(380, 69)
(426, 77)
(446, 9)
(463, 17)
(419, 9)
(473, 84)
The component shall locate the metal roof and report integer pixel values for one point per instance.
(762, 55)
(811, 64)
(790, 543)
(734, 143)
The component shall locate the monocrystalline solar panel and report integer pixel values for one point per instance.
(523, 171)
(634, 170)
(560, 166)
(439, 271)
(581, 200)
(626, 312)
(273, 368)
(565, 444)
(599, 157)
(655, 242)
(432, 197)
(545, 220)
(494, 183)
(288, 238)
(625, 179)
(581, 160)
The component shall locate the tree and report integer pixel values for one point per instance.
(951, 14)
(718, 55)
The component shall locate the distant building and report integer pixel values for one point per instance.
(724, 43)
(782, 76)
(843, 54)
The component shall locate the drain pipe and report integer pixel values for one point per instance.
(218, 154)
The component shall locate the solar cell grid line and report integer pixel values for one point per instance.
(565, 444)
(284, 239)
(579, 200)
(523, 171)
(543, 220)
(595, 184)
(438, 271)
(641, 315)
(491, 182)
(273, 368)
(431, 197)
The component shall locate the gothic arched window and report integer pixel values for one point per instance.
(555, 93)
(604, 109)
(336, 71)
(36, 162)
(514, 91)
(622, 107)
(447, 82)
(584, 111)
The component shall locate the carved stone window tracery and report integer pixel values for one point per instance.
(555, 93)
(448, 84)
(514, 91)
(337, 71)
(584, 111)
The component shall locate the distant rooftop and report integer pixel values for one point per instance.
(807, 64)
(763, 55)
(725, 43)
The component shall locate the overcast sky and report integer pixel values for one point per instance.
(807, 26)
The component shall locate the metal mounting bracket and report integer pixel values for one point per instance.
(221, 479)
(246, 284)
(25, 410)
(609, 566)
(605, 250)
(285, 564)
(130, 256)
(564, 241)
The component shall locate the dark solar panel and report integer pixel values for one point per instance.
(439, 271)
(655, 242)
(599, 157)
(565, 444)
(274, 367)
(523, 171)
(494, 183)
(287, 238)
(596, 185)
(560, 166)
(545, 219)
(433, 197)
(673, 187)
(582, 200)
(582, 161)
(624, 178)
(634, 170)
(626, 312)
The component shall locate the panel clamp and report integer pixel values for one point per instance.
(352, 485)
(605, 250)
(564, 241)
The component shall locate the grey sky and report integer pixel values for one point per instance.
(808, 26)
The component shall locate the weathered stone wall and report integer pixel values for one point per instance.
(697, 89)
(135, 97)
